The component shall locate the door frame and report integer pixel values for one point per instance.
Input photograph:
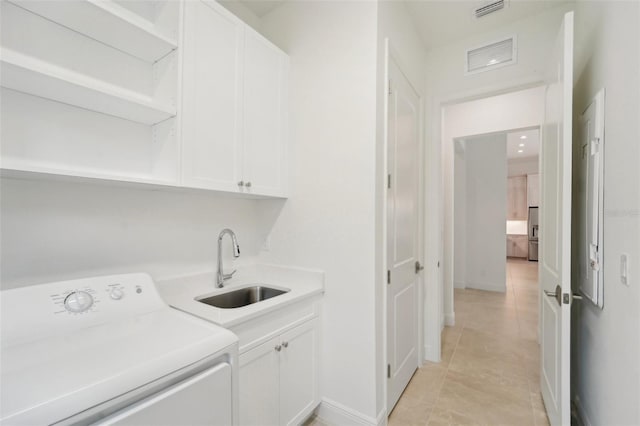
(389, 54)
(437, 164)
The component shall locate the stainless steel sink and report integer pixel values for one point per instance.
(241, 297)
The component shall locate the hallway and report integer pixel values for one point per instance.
(489, 372)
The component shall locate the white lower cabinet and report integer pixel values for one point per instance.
(279, 377)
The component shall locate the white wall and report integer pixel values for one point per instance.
(515, 110)
(606, 351)
(522, 166)
(56, 230)
(486, 196)
(329, 220)
(460, 215)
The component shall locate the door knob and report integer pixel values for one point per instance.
(248, 184)
(241, 183)
(278, 348)
(285, 344)
(561, 298)
(557, 294)
(418, 266)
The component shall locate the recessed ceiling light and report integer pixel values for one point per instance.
(521, 145)
(523, 137)
(520, 151)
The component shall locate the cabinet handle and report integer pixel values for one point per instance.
(285, 344)
(241, 183)
(248, 184)
(278, 348)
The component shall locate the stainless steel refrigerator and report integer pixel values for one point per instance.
(534, 230)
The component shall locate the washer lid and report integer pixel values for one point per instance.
(51, 378)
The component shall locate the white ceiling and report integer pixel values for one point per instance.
(531, 144)
(440, 22)
(446, 21)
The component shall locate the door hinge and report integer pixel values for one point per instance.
(388, 276)
(388, 371)
(389, 181)
(595, 146)
(389, 88)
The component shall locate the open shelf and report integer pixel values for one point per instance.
(108, 23)
(35, 77)
(18, 169)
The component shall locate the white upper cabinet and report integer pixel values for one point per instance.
(264, 116)
(211, 105)
(234, 113)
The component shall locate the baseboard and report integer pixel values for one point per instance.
(581, 411)
(487, 287)
(334, 413)
(459, 284)
(450, 319)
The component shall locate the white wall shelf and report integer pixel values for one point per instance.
(30, 75)
(108, 23)
(18, 169)
(10, 169)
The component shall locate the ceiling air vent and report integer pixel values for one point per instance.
(491, 56)
(488, 8)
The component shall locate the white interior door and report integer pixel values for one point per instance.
(555, 229)
(402, 234)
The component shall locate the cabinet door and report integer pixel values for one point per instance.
(517, 198)
(211, 84)
(533, 190)
(260, 385)
(299, 373)
(517, 246)
(264, 117)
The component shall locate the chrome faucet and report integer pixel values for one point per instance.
(221, 277)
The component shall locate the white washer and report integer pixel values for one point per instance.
(109, 350)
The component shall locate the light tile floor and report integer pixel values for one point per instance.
(490, 361)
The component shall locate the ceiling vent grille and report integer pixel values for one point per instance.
(489, 8)
(491, 56)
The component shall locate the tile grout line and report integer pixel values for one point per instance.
(533, 414)
(446, 373)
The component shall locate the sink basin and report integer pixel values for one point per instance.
(241, 297)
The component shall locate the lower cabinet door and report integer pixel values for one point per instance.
(260, 385)
(299, 373)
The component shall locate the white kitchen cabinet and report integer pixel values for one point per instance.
(279, 366)
(260, 384)
(517, 198)
(234, 113)
(533, 190)
(211, 84)
(264, 119)
(298, 373)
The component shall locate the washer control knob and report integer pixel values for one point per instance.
(78, 301)
(116, 294)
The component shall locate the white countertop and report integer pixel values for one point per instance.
(181, 292)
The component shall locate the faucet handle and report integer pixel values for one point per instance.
(228, 276)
